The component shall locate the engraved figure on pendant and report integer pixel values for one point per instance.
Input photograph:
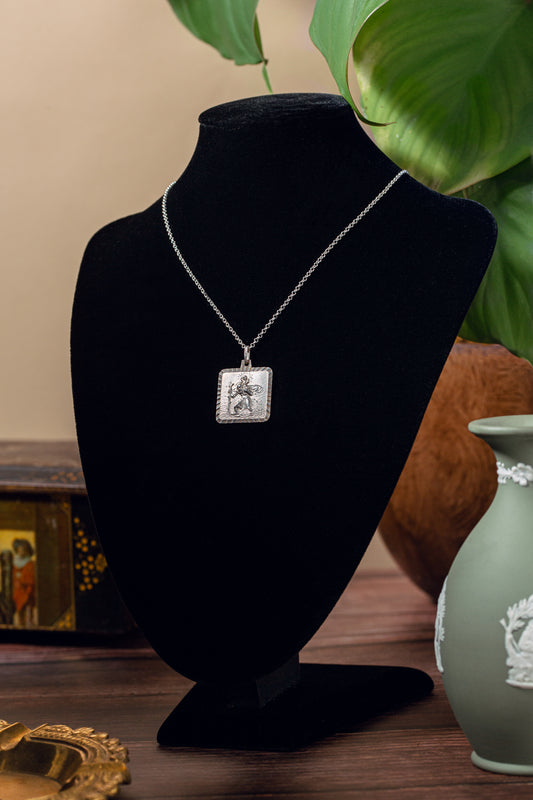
(245, 391)
(519, 646)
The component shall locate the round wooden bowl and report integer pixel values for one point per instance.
(449, 479)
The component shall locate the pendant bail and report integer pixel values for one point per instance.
(246, 363)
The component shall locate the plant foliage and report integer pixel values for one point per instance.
(456, 80)
(448, 86)
(334, 28)
(230, 26)
(502, 310)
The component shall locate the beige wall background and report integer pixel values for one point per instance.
(101, 101)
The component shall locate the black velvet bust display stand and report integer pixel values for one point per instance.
(232, 543)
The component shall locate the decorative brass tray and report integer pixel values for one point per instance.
(53, 762)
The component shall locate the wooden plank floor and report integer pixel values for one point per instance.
(123, 688)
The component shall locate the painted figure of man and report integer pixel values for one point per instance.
(24, 594)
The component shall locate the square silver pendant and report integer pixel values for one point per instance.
(244, 394)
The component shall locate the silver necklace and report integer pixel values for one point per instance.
(244, 393)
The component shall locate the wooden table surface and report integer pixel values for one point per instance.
(123, 688)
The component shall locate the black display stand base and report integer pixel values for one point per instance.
(327, 699)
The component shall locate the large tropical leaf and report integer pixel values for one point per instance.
(503, 308)
(230, 26)
(455, 77)
(333, 29)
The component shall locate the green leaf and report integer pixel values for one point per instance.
(503, 307)
(230, 26)
(333, 29)
(257, 37)
(456, 79)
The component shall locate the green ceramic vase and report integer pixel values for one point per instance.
(484, 626)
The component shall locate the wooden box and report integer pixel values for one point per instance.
(53, 574)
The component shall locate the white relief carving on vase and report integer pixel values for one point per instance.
(522, 474)
(439, 626)
(519, 643)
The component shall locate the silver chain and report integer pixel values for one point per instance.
(248, 347)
